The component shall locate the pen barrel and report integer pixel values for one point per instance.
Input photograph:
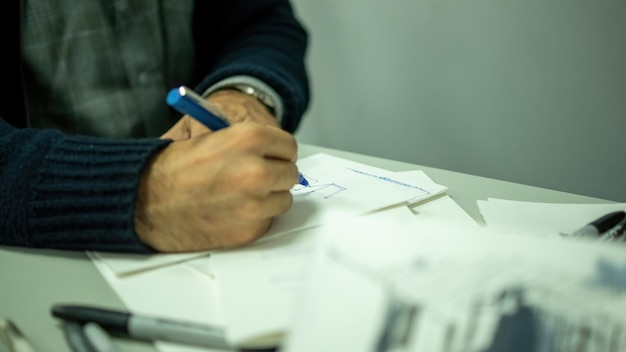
(188, 102)
(608, 221)
(173, 331)
(112, 321)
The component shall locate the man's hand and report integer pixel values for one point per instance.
(234, 105)
(216, 190)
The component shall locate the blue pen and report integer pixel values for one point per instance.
(188, 102)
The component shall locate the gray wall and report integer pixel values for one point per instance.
(530, 91)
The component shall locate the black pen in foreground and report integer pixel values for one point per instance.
(188, 102)
(145, 327)
(616, 233)
(601, 225)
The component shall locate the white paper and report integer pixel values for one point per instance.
(176, 291)
(548, 219)
(127, 263)
(340, 188)
(454, 276)
(326, 307)
(280, 266)
(257, 284)
(415, 182)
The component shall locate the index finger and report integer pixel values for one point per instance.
(270, 142)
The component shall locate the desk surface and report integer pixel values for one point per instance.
(31, 281)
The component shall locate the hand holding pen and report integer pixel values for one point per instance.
(237, 106)
(188, 102)
(216, 190)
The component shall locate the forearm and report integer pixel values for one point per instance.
(66, 192)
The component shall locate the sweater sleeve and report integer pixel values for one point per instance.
(262, 39)
(70, 192)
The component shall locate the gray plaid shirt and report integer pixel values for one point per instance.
(103, 67)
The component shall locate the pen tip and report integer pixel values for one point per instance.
(303, 181)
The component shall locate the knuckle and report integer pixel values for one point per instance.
(254, 134)
(252, 209)
(257, 173)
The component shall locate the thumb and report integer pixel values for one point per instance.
(180, 130)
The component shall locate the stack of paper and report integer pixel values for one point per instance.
(432, 287)
(367, 259)
(251, 290)
(258, 283)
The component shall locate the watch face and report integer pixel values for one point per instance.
(248, 90)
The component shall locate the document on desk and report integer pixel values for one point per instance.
(459, 289)
(173, 291)
(545, 219)
(272, 268)
(340, 188)
(123, 264)
(257, 284)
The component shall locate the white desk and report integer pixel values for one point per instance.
(31, 281)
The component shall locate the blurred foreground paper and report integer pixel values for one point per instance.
(272, 267)
(460, 290)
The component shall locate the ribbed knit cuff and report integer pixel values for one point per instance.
(84, 197)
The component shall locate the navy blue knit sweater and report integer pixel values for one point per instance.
(78, 192)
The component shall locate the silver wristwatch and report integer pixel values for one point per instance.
(260, 95)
